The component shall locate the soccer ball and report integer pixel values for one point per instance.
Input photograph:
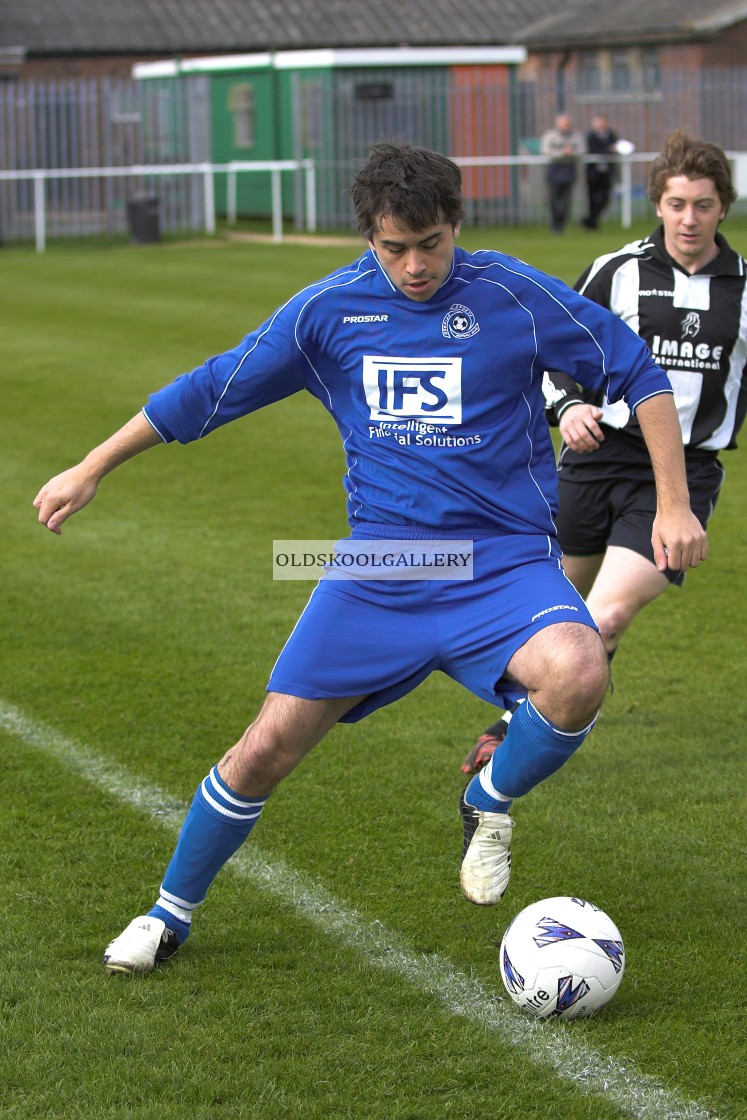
(562, 957)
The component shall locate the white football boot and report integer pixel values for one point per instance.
(486, 857)
(145, 943)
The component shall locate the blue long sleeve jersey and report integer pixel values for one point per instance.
(439, 404)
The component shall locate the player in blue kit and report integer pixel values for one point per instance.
(430, 360)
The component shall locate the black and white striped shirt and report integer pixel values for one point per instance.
(695, 326)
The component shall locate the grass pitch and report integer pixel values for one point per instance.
(336, 972)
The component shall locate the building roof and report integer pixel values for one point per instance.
(172, 27)
(595, 22)
(195, 26)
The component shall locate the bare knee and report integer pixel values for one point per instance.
(285, 730)
(566, 673)
(613, 619)
(626, 583)
(576, 688)
(258, 761)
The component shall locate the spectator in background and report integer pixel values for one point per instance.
(563, 146)
(601, 140)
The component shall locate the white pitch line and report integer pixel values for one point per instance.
(553, 1045)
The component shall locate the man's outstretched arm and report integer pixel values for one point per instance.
(68, 492)
(678, 538)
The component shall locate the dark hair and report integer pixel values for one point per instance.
(415, 186)
(683, 154)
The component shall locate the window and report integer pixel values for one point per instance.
(241, 106)
(374, 91)
(312, 115)
(650, 70)
(621, 72)
(623, 75)
(588, 76)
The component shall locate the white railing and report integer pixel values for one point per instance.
(275, 167)
(623, 188)
(207, 171)
(525, 203)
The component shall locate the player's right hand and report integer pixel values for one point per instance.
(64, 495)
(579, 428)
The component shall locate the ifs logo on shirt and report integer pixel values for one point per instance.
(413, 388)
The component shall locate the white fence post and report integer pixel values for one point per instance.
(209, 197)
(231, 196)
(40, 224)
(277, 207)
(626, 189)
(310, 177)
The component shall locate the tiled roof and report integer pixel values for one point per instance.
(608, 21)
(167, 27)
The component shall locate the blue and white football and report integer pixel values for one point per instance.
(562, 957)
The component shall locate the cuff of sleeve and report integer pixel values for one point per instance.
(566, 403)
(166, 438)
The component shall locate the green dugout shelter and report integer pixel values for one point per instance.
(329, 105)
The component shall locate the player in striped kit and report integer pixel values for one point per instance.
(683, 290)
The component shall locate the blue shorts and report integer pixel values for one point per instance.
(381, 638)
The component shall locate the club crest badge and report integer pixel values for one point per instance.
(459, 322)
(691, 325)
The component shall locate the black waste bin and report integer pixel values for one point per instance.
(143, 219)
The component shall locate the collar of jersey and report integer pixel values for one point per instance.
(444, 292)
(727, 263)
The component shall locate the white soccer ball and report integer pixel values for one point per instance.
(563, 958)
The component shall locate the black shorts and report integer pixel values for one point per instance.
(598, 509)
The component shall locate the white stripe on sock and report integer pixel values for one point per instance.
(228, 812)
(488, 787)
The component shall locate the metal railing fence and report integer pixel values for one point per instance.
(45, 217)
(76, 153)
(503, 190)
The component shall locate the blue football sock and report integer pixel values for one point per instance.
(534, 748)
(180, 927)
(217, 824)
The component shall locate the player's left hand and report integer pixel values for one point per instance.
(64, 495)
(679, 541)
(579, 427)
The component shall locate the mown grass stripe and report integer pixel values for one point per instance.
(549, 1045)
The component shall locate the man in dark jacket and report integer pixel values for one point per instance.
(601, 141)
